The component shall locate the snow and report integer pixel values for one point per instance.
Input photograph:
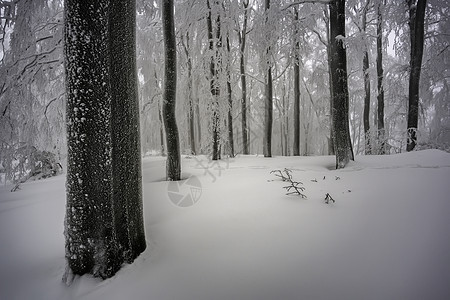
(386, 237)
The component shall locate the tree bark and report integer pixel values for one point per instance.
(230, 102)
(268, 104)
(191, 130)
(214, 84)
(366, 113)
(380, 87)
(104, 220)
(242, 43)
(296, 150)
(339, 82)
(126, 148)
(416, 28)
(173, 164)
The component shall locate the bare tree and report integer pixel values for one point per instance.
(268, 103)
(173, 163)
(416, 32)
(342, 145)
(380, 88)
(242, 44)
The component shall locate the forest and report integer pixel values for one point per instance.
(243, 40)
(137, 102)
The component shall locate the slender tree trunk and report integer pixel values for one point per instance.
(242, 43)
(191, 130)
(230, 102)
(416, 27)
(366, 113)
(214, 84)
(330, 83)
(339, 82)
(268, 110)
(296, 150)
(173, 163)
(380, 87)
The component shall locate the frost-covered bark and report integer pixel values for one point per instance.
(214, 84)
(104, 218)
(342, 145)
(416, 28)
(191, 130)
(126, 155)
(173, 164)
(91, 241)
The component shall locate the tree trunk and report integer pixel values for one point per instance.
(268, 104)
(296, 150)
(242, 42)
(191, 130)
(339, 82)
(126, 151)
(214, 84)
(416, 27)
(230, 103)
(380, 87)
(173, 164)
(104, 221)
(330, 83)
(366, 113)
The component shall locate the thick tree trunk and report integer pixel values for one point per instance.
(242, 43)
(126, 148)
(416, 27)
(268, 94)
(380, 87)
(173, 164)
(296, 151)
(91, 243)
(339, 82)
(104, 221)
(366, 113)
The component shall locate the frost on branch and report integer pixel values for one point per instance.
(293, 188)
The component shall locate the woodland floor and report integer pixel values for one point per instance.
(387, 236)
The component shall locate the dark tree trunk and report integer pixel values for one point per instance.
(104, 221)
(342, 143)
(416, 27)
(230, 103)
(380, 87)
(242, 42)
(268, 104)
(126, 151)
(366, 113)
(296, 151)
(173, 164)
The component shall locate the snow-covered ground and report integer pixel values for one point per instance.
(386, 237)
